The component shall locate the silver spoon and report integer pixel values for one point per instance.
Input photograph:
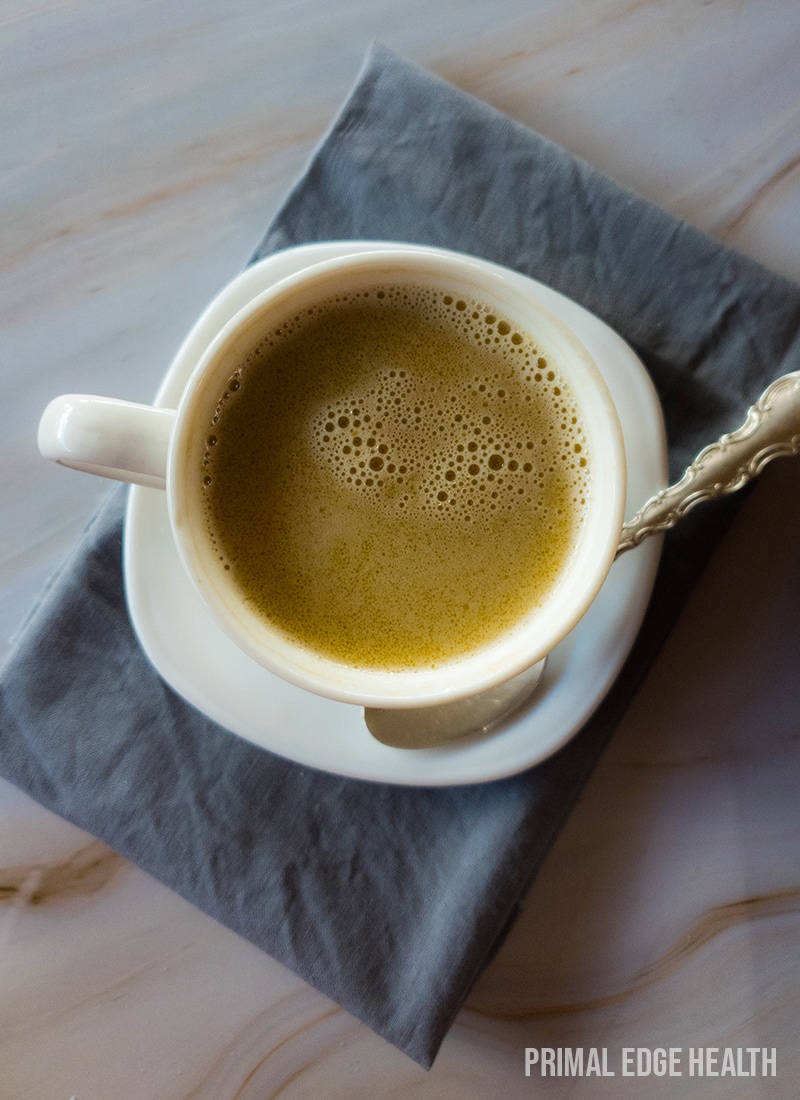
(770, 430)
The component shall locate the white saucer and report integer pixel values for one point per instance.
(205, 667)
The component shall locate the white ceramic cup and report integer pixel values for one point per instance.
(155, 447)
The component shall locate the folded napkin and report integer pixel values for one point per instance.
(389, 899)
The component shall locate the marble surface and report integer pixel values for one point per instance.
(145, 147)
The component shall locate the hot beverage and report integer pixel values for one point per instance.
(395, 476)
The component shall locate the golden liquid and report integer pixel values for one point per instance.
(395, 478)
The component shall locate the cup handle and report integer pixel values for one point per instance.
(101, 435)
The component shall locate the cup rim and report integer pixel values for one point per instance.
(514, 650)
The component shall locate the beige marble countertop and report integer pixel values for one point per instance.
(145, 147)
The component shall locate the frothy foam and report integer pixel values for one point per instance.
(411, 412)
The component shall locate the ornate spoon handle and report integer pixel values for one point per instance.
(771, 429)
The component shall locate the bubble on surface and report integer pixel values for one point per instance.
(409, 413)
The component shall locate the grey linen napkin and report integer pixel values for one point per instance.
(391, 900)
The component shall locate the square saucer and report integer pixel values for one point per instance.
(193, 655)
